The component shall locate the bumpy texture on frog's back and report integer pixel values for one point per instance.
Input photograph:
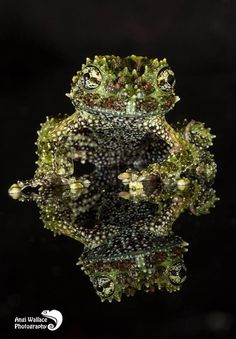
(134, 86)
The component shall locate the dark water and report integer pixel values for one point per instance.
(42, 45)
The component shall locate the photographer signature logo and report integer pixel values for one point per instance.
(51, 320)
(54, 315)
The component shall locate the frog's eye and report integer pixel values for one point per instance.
(166, 79)
(91, 77)
(104, 286)
(177, 273)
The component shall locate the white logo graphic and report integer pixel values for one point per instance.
(39, 323)
(56, 316)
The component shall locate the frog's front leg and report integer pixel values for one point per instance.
(30, 189)
(96, 236)
(159, 126)
(168, 211)
(182, 155)
(89, 237)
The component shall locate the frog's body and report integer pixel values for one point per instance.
(87, 142)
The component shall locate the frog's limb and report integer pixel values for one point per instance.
(62, 210)
(32, 189)
(55, 148)
(159, 224)
(46, 147)
(171, 205)
(61, 215)
(159, 126)
(45, 174)
(61, 218)
(204, 201)
(188, 149)
(149, 184)
(89, 237)
(188, 152)
(96, 236)
(24, 190)
(72, 144)
(182, 156)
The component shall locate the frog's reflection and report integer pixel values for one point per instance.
(132, 262)
(129, 243)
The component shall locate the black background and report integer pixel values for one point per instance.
(42, 44)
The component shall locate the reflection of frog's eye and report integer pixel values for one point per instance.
(166, 79)
(177, 273)
(91, 77)
(104, 286)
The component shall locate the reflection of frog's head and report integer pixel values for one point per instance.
(126, 265)
(133, 86)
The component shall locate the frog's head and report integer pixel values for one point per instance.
(136, 262)
(134, 86)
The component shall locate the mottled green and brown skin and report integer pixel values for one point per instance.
(118, 144)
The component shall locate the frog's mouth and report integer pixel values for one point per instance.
(133, 108)
(109, 113)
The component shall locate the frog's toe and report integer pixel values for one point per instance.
(15, 191)
(140, 184)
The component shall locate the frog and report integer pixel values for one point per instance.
(115, 175)
(119, 122)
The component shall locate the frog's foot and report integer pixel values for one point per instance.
(25, 190)
(153, 181)
(31, 189)
(141, 185)
(196, 133)
(205, 200)
(168, 172)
